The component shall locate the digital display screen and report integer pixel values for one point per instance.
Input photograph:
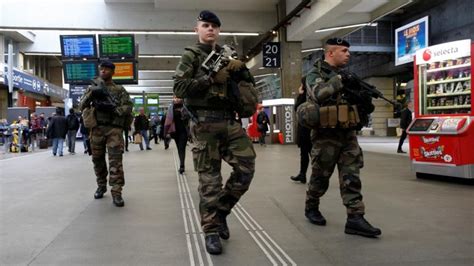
(421, 125)
(80, 72)
(78, 46)
(138, 100)
(125, 73)
(152, 101)
(116, 46)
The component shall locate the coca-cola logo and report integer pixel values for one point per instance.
(427, 55)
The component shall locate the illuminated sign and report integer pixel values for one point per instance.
(79, 72)
(78, 46)
(409, 39)
(125, 72)
(113, 46)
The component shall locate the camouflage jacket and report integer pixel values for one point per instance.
(121, 116)
(323, 84)
(191, 84)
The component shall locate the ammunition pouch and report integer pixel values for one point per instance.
(308, 115)
(339, 116)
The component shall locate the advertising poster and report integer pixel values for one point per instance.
(409, 39)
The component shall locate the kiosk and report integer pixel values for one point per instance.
(442, 134)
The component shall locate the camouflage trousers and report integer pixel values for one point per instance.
(102, 137)
(331, 147)
(214, 142)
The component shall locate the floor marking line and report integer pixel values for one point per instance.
(190, 210)
(188, 237)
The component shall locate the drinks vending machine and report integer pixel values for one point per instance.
(441, 135)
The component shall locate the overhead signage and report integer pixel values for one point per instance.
(79, 72)
(76, 92)
(116, 46)
(271, 55)
(78, 46)
(30, 83)
(409, 39)
(445, 51)
(125, 73)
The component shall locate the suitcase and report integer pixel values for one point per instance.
(43, 144)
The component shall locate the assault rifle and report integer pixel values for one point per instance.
(215, 61)
(359, 88)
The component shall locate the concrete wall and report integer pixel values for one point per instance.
(383, 110)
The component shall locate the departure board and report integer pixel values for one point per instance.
(80, 72)
(125, 72)
(78, 46)
(114, 46)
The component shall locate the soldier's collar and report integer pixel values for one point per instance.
(207, 47)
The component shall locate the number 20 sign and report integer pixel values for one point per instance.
(271, 54)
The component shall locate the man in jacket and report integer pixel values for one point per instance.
(73, 126)
(57, 130)
(112, 107)
(303, 138)
(142, 126)
(216, 134)
(405, 120)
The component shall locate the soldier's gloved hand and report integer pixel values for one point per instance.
(203, 82)
(336, 82)
(98, 92)
(221, 76)
(235, 65)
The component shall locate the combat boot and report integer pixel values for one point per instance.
(223, 228)
(118, 200)
(99, 193)
(299, 177)
(213, 244)
(357, 225)
(315, 217)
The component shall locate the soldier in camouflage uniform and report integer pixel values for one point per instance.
(216, 134)
(335, 146)
(113, 108)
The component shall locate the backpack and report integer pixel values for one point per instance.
(248, 99)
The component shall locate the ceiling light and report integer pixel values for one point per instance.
(158, 56)
(138, 32)
(312, 50)
(158, 71)
(264, 75)
(347, 27)
(42, 54)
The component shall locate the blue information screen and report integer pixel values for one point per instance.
(80, 72)
(78, 46)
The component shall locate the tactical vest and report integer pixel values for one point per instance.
(110, 118)
(216, 97)
(335, 112)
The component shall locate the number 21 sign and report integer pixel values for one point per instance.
(271, 55)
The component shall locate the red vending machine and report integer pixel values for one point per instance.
(442, 134)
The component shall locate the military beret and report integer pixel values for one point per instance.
(108, 64)
(208, 16)
(338, 41)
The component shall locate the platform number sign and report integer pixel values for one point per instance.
(271, 55)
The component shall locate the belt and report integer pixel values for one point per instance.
(213, 115)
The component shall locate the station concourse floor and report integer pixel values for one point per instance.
(48, 215)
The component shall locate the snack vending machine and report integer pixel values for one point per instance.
(441, 135)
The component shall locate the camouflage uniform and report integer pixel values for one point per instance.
(108, 134)
(216, 137)
(332, 146)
